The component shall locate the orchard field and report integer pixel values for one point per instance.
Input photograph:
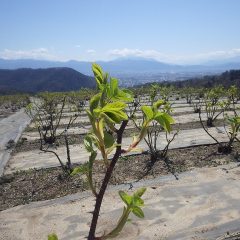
(154, 162)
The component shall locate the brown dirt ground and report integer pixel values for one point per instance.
(24, 187)
(86, 123)
(25, 145)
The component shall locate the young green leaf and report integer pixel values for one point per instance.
(115, 106)
(158, 104)
(82, 169)
(125, 95)
(108, 140)
(91, 117)
(113, 87)
(115, 116)
(52, 236)
(148, 112)
(113, 112)
(125, 197)
(138, 212)
(88, 143)
(140, 192)
(94, 102)
(137, 201)
(98, 73)
(164, 120)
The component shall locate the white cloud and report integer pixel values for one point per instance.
(221, 54)
(225, 54)
(125, 52)
(91, 51)
(46, 54)
(39, 53)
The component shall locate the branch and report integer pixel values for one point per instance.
(199, 114)
(105, 182)
(50, 151)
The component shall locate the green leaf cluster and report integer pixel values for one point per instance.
(52, 236)
(153, 113)
(106, 109)
(108, 86)
(234, 125)
(134, 204)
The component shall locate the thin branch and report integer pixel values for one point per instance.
(199, 114)
(50, 151)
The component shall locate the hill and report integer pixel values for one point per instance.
(226, 79)
(38, 80)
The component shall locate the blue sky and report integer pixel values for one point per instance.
(179, 31)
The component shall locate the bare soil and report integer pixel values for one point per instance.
(25, 145)
(86, 123)
(24, 187)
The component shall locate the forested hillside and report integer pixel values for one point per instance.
(38, 80)
(225, 79)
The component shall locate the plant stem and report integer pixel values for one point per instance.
(121, 223)
(99, 198)
(69, 163)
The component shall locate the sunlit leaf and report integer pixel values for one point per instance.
(138, 212)
(140, 192)
(98, 73)
(115, 116)
(164, 120)
(82, 169)
(94, 101)
(125, 197)
(148, 112)
(116, 106)
(138, 201)
(52, 236)
(158, 104)
(113, 86)
(113, 112)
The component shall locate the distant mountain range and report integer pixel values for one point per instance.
(38, 80)
(123, 66)
(39, 75)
